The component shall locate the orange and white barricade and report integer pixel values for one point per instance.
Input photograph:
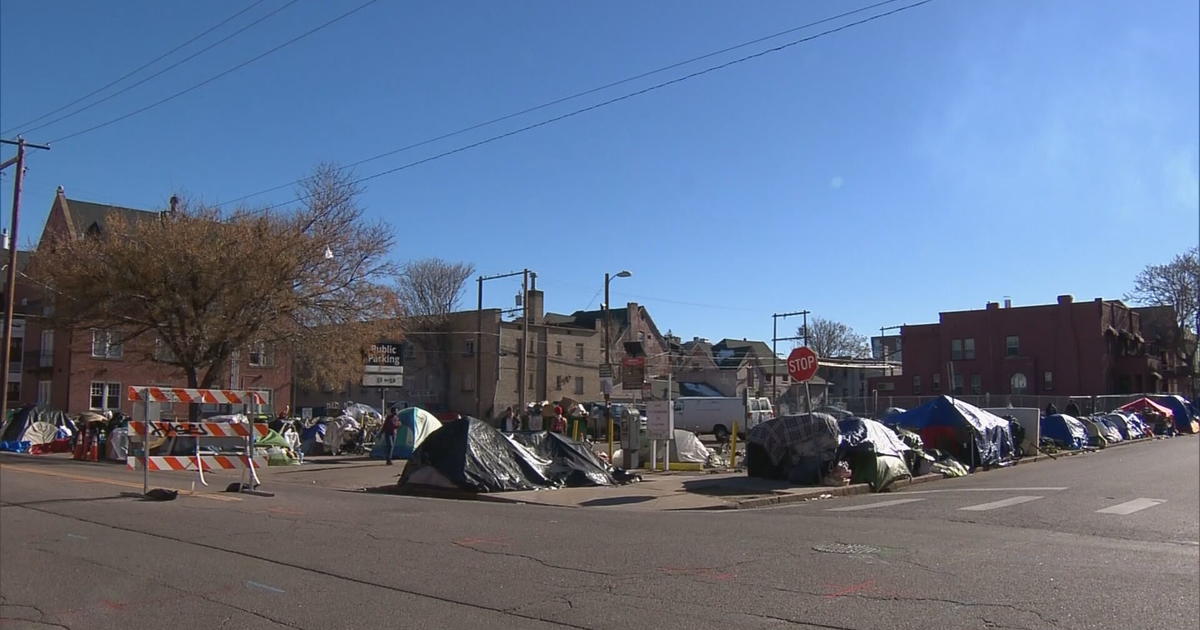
(247, 433)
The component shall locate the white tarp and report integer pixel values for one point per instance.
(117, 448)
(40, 433)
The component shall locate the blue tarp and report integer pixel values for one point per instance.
(415, 425)
(970, 434)
(1179, 406)
(1065, 430)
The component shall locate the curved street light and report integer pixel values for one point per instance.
(607, 343)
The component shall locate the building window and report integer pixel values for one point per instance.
(106, 344)
(578, 384)
(469, 348)
(260, 355)
(530, 380)
(958, 384)
(956, 353)
(43, 399)
(917, 385)
(976, 384)
(968, 349)
(1018, 383)
(558, 348)
(46, 355)
(106, 396)
(1048, 381)
(558, 382)
(579, 351)
(162, 352)
(1013, 346)
(935, 383)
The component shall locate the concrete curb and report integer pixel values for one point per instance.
(837, 491)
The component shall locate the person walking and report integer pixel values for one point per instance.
(390, 425)
(508, 422)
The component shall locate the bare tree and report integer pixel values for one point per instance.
(432, 287)
(202, 285)
(1175, 284)
(834, 339)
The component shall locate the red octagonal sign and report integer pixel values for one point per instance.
(802, 364)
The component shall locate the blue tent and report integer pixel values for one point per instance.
(1183, 412)
(1065, 431)
(415, 425)
(970, 434)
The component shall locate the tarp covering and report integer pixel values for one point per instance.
(798, 448)
(967, 432)
(470, 454)
(1145, 404)
(1185, 418)
(685, 447)
(1130, 426)
(117, 446)
(875, 453)
(415, 425)
(36, 430)
(1100, 432)
(861, 434)
(1065, 431)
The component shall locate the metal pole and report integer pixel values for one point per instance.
(607, 394)
(146, 443)
(479, 352)
(670, 415)
(774, 355)
(524, 337)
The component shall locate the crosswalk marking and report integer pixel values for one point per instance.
(1129, 507)
(994, 505)
(869, 506)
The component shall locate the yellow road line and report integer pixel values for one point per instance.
(112, 482)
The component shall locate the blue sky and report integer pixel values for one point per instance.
(933, 160)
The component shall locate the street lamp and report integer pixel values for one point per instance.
(607, 326)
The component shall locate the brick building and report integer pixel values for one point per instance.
(82, 369)
(1067, 348)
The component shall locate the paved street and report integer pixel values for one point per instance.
(1106, 540)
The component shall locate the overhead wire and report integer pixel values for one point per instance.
(166, 69)
(610, 101)
(220, 74)
(570, 97)
(135, 70)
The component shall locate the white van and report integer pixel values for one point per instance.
(717, 415)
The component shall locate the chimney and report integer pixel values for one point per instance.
(535, 306)
(1065, 299)
(1007, 302)
(992, 306)
(4, 238)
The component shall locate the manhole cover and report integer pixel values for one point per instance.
(846, 549)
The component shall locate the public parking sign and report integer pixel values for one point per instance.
(802, 364)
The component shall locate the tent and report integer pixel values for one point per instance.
(1108, 428)
(1145, 405)
(970, 434)
(1129, 425)
(875, 453)
(1099, 432)
(1066, 431)
(470, 454)
(278, 449)
(1185, 418)
(37, 430)
(415, 425)
(797, 448)
(685, 447)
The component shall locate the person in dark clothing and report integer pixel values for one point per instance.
(1072, 410)
(508, 422)
(390, 425)
(1051, 409)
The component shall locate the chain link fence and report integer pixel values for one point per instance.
(876, 406)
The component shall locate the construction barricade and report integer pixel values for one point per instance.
(246, 433)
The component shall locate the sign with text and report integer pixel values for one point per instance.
(633, 372)
(802, 364)
(660, 420)
(383, 380)
(385, 358)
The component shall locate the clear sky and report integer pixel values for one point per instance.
(932, 160)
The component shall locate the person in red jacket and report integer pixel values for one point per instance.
(390, 425)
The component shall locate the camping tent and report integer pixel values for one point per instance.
(1185, 418)
(37, 430)
(1066, 431)
(415, 425)
(470, 454)
(1100, 427)
(875, 453)
(685, 447)
(1148, 406)
(1130, 425)
(797, 448)
(970, 434)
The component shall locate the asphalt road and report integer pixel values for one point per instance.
(76, 554)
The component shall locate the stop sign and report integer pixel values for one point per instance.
(802, 364)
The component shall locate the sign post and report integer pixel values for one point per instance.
(802, 366)
(660, 425)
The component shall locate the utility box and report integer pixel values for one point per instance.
(631, 437)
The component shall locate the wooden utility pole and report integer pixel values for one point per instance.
(10, 287)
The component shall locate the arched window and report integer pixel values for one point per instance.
(1018, 383)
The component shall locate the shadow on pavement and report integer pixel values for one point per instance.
(617, 500)
(736, 486)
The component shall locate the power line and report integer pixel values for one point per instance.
(223, 73)
(571, 97)
(166, 69)
(613, 101)
(135, 70)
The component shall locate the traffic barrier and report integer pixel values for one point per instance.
(143, 431)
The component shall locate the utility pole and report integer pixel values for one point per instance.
(10, 290)
(775, 337)
(521, 361)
